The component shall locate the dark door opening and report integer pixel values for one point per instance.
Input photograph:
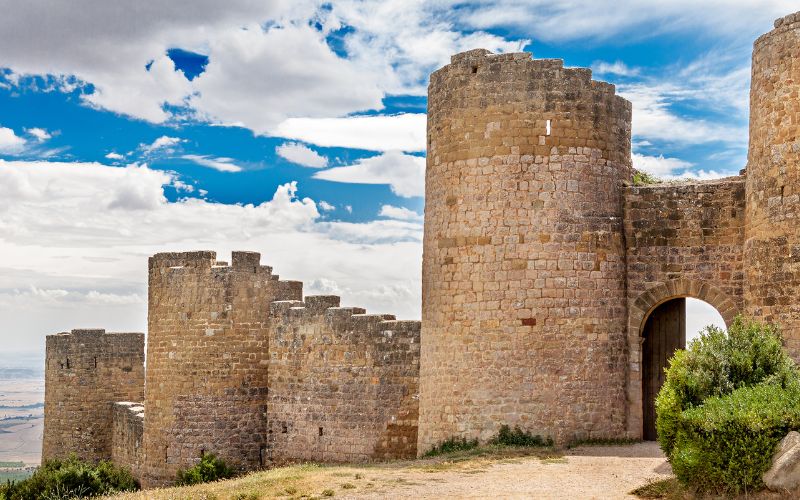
(664, 333)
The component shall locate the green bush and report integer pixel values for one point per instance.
(209, 468)
(452, 445)
(70, 478)
(727, 443)
(518, 437)
(724, 406)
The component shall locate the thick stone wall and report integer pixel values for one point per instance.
(683, 239)
(207, 357)
(772, 249)
(523, 311)
(343, 384)
(126, 444)
(86, 371)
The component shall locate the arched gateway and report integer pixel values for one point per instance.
(658, 324)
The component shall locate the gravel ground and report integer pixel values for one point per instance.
(585, 472)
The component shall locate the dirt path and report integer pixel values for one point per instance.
(587, 472)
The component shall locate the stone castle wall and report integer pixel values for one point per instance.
(87, 371)
(343, 384)
(682, 240)
(207, 357)
(540, 266)
(127, 448)
(772, 248)
(523, 279)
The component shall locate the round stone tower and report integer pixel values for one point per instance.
(523, 282)
(772, 247)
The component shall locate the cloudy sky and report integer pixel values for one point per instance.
(297, 128)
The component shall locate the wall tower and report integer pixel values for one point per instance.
(772, 246)
(86, 371)
(207, 357)
(523, 311)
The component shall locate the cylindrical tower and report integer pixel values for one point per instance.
(523, 282)
(772, 246)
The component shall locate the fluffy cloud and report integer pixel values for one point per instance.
(9, 141)
(404, 173)
(400, 213)
(674, 168)
(40, 134)
(585, 19)
(403, 132)
(658, 165)
(114, 156)
(222, 164)
(615, 68)
(301, 155)
(325, 206)
(655, 119)
(81, 234)
(163, 143)
(257, 78)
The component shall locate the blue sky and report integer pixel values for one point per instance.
(297, 129)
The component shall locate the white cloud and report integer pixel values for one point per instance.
(654, 118)
(301, 155)
(259, 78)
(10, 142)
(615, 68)
(635, 19)
(674, 168)
(403, 132)
(658, 165)
(114, 156)
(325, 206)
(222, 164)
(400, 213)
(163, 143)
(40, 134)
(59, 235)
(404, 173)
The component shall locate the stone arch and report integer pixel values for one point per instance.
(649, 300)
(640, 308)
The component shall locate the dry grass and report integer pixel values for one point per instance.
(324, 481)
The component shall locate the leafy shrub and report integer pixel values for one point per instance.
(209, 468)
(726, 403)
(451, 445)
(518, 437)
(70, 478)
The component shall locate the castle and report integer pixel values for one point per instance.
(552, 293)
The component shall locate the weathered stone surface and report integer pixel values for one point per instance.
(240, 366)
(523, 279)
(784, 474)
(86, 371)
(772, 248)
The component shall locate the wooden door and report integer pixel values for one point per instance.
(664, 333)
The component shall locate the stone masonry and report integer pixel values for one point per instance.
(541, 265)
(523, 306)
(85, 372)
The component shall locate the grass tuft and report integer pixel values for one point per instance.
(669, 489)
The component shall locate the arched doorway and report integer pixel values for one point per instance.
(667, 328)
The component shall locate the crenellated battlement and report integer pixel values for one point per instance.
(495, 69)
